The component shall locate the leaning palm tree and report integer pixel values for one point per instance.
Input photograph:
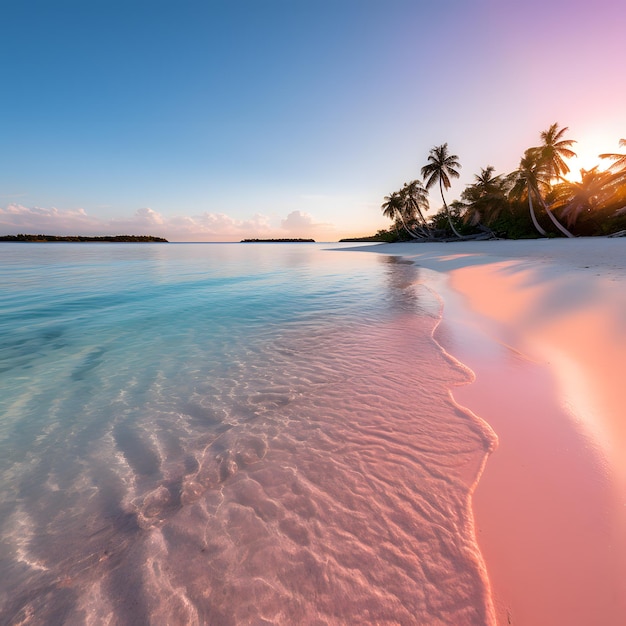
(551, 154)
(440, 168)
(416, 203)
(398, 207)
(393, 209)
(408, 206)
(526, 180)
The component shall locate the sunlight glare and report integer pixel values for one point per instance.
(588, 150)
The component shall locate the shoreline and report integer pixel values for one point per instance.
(540, 323)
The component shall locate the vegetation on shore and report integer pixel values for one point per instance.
(81, 238)
(535, 200)
(298, 240)
(380, 236)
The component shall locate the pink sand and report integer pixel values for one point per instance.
(542, 324)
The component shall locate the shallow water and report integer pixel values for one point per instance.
(231, 434)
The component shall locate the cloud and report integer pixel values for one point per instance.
(215, 227)
(16, 218)
(297, 221)
(299, 224)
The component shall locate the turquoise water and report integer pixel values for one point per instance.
(230, 434)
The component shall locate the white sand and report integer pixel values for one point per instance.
(542, 323)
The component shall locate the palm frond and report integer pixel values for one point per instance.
(619, 160)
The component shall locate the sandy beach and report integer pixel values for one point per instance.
(542, 325)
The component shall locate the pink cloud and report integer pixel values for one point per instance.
(299, 224)
(16, 218)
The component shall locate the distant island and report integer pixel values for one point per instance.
(372, 238)
(81, 238)
(277, 241)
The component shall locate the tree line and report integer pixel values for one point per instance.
(534, 200)
(81, 238)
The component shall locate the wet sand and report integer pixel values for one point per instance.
(542, 324)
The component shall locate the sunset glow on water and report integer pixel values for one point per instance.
(231, 434)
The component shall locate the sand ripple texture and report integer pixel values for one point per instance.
(313, 472)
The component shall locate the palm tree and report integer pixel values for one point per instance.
(440, 168)
(554, 150)
(618, 167)
(619, 159)
(552, 154)
(393, 209)
(485, 179)
(406, 205)
(595, 191)
(527, 179)
(485, 198)
(618, 173)
(416, 203)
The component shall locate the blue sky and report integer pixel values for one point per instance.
(219, 120)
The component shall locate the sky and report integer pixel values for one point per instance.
(219, 120)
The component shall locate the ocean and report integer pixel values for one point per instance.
(231, 434)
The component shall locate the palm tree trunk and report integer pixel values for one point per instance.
(555, 221)
(445, 206)
(533, 217)
(423, 228)
(408, 230)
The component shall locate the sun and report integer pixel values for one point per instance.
(587, 151)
